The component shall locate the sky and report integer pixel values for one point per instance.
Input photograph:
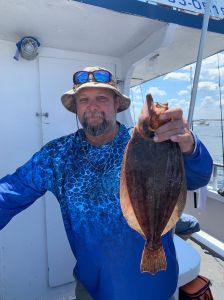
(175, 88)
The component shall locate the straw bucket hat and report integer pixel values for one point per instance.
(68, 98)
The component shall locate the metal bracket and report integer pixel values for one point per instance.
(46, 115)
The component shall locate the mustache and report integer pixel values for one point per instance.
(98, 129)
(94, 114)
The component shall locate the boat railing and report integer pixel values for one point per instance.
(216, 179)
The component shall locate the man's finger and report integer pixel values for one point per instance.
(172, 114)
(178, 138)
(170, 126)
(167, 135)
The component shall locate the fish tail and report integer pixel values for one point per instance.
(153, 260)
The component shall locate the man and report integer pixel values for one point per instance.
(83, 171)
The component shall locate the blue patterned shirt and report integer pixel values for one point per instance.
(85, 180)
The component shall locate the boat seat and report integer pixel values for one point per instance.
(189, 263)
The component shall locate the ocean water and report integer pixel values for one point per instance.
(211, 136)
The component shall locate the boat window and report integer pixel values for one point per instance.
(175, 88)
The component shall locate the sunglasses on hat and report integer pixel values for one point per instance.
(102, 76)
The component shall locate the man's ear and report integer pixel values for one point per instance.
(117, 100)
(74, 102)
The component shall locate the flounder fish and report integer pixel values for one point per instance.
(152, 185)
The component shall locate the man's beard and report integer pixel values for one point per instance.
(95, 130)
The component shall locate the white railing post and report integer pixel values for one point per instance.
(214, 177)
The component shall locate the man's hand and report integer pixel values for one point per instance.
(176, 129)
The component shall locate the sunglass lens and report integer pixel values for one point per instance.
(80, 77)
(102, 76)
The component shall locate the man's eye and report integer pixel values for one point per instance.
(102, 98)
(83, 100)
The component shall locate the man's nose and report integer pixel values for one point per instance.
(93, 104)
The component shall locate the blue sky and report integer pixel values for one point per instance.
(175, 88)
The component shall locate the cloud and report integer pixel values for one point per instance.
(137, 102)
(211, 102)
(217, 102)
(214, 72)
(212, 60)
(155, 91)
(209, 68)
(221, 57)
(207, 101)
(136, 96)
(135, 90)
(208, 85)
(177, 76)
(182, 103)
(189, 67)
(137, 105)
(173, 102)
(183, 92)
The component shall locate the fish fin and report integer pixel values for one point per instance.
(178, 209)
(153, 260)
(150, 104)
(126, 206)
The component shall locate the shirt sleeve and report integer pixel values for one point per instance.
(20, 189)
(198, 166)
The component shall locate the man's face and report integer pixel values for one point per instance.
(96, 110)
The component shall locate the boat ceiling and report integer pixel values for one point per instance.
(182, 51)
(75, 26)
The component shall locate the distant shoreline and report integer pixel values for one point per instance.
(199, 120)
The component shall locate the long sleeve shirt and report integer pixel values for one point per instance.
(85, 180)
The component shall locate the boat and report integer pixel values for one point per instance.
(204, 123)
(137, 41)
(201, 122)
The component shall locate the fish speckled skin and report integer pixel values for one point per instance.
(153, 188)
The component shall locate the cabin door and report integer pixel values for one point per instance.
(55, 79)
